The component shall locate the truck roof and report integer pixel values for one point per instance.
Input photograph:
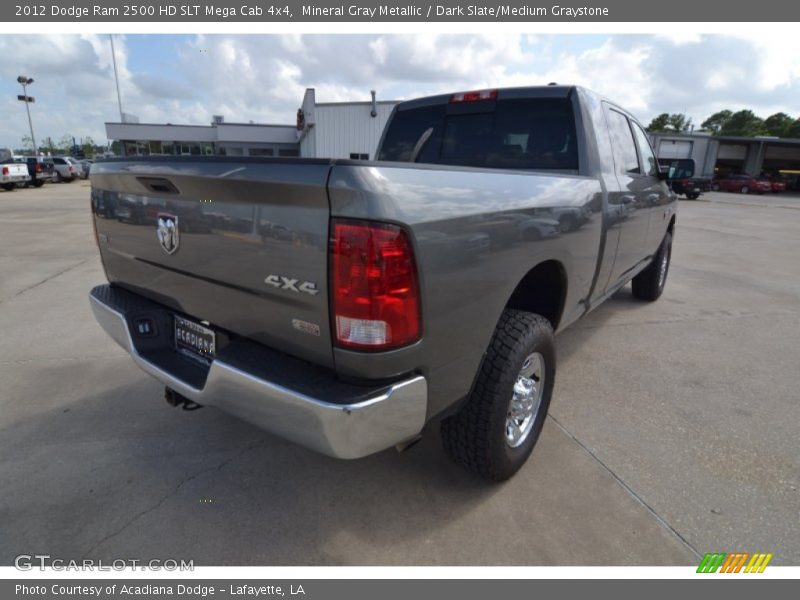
(538, 91)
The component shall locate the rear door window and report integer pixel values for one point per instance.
(527, 133)
(645, 151)
(406, 129)
(625, 157)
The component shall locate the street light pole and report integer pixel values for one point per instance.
(25, 82)
(116, 77)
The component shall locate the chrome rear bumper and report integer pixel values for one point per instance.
(383, 417)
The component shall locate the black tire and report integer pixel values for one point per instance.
(745, 189)
(692, 196)
(9, 187)
(57, 178)
(475, 437)
(649, 284)
(38, 183)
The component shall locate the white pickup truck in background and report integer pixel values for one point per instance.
(11, 173)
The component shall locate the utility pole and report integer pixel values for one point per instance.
(116, 76)
(25, 82)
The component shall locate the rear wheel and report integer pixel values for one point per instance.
(496, 429)
(692, 196)
(745, 189)
(38, 183)
(9, 187)
(649, 284)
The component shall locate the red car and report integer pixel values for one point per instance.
(775, 184)
(744, 184)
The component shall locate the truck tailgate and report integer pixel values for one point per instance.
(15, 170)
(239, 243)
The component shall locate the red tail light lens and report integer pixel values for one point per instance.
(6, 171)
(374, 286)
(38, 168)
(473, 96)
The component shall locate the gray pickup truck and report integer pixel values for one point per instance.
(344, 304)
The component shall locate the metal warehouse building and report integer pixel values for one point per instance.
(341, 130)
(330, 130)
(726, 154)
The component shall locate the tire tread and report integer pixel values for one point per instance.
(467, 435)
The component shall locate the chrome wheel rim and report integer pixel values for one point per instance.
(525, 400)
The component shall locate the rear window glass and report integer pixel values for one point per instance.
(531, 133)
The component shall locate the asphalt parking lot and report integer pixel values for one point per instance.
(674, 428)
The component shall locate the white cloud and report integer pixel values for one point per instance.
(262, 77)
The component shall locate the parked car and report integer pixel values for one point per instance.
(775, 185)
(366, 323)
(12, 173)
(66, 169)
(744, 184)
(137, 209)
(40, 169)
(691, 187)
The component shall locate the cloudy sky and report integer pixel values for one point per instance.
(261, 78)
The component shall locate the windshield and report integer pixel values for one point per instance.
(526, 133)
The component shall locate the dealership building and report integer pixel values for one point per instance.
(330, 130)
(353, 130)
(728, 154)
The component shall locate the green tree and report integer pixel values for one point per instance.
(744, 123)
(778, 124)
(793, 131)
(65, 144)
(665, 122)
(659, 124)
(88, 146)
(717, 121)
(27, 143)
(680, 122)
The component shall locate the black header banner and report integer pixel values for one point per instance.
(510, 11)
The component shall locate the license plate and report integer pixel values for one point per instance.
(195, 340)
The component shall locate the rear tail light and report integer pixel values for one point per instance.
(38, 168)
(6, 171)
(473, 96)
(374, 286)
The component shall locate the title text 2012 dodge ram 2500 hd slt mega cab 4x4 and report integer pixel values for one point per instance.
(343, 304)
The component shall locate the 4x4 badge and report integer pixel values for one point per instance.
(293, 285)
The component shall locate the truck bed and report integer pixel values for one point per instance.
(475, 233)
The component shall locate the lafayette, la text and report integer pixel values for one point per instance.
(154, 589)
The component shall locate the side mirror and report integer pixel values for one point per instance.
(681, 168)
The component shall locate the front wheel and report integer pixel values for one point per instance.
(649, 284)
(745, 189)
(496, 429)
(692, 196)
